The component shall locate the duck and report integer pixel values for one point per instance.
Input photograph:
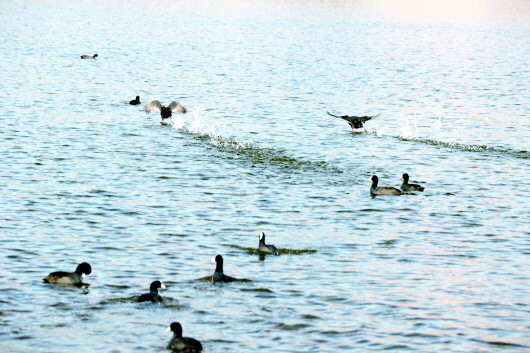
(89, 56)
(165, 112)
(218, 275)
(266, 248)
(410, 187)
(182, 344)
(135, 101)
(382, 190)
(69, 278)
(153, 295)
(356, 122)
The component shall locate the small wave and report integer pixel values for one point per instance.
(471, 148)
(412, 127)
(214, 132)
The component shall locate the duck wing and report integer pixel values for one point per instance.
(177, 106)
(154, 105)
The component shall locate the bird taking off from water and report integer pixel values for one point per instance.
(356, 122)
(165, 112)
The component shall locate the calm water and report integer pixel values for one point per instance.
(87, 177)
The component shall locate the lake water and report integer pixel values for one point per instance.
(87, 177)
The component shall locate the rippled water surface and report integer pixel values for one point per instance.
(87, 177)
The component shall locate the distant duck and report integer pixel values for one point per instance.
(69, 278)
(266, 248)
(218, 275)
(356, 122)
(165, 112)
(153, 295)
(410, 187)
(182, 344)
(382, 190)
(89, 56)
(135, 101)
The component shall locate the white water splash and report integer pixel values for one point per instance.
(198, 123)
(408, 126)
(415, 125)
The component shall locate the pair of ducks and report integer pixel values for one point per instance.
(219, 276)
(387, 190)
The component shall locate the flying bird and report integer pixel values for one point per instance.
(356, 122)
(165, 112)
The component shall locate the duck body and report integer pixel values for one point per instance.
(69, 278)
(153, 295)
(135, 101)
(89, 56)
(264, 247)
(182, 344)
(382, 190)
(218, 275)
(356, 122)
(165, 112)
(410, 187)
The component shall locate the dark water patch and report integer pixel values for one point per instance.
(501, 343)
(174, 235)
(472, 148)
(254, 251)
(388, 242)
(336, 333)
(209, 279)
(117, 286)
(133, 299)
(396, 346)
(250, 153)
(310, 317)
(259, 290)
(294, 327)
(24, 337)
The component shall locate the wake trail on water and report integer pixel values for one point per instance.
(434, 132)
(216, 133)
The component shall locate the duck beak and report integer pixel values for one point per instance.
(168, 329)
(213, 259)
(163, 286)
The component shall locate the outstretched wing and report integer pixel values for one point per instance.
(154, 105)
(177, 106)
(366, 118)
(336, 116)
(356, 122)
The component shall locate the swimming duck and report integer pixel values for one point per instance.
(356, 122)
(410, 187)
(382, 190)
(266, 248)
(165, 112)
(153, 295)
(182, 344)
(135, 101)
(89, 56)
(69, 278)
(218, 275)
